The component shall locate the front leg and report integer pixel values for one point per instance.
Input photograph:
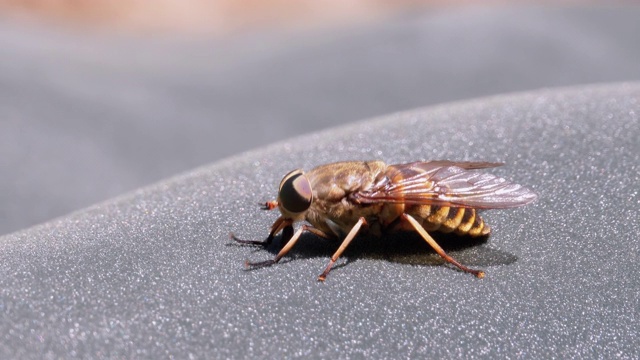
(289, 239)
(280, 224)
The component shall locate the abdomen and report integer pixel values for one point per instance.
(462, 221)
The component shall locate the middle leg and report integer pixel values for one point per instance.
(347, 240)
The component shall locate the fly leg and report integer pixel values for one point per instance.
(347, 240)
(290, 241)
(416, 225)
(280, 224)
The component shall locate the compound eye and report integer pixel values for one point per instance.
(295, 192)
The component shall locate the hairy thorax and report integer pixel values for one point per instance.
(332, 209)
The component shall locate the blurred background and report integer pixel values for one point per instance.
(100, 97)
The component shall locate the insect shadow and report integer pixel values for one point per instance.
(398, 247)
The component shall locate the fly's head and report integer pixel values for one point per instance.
(295, 195)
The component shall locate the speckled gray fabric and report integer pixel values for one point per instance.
(153, 273)
(85, 116)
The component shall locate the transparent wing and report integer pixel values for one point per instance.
(445, 183)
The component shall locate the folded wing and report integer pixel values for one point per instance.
(445, 183)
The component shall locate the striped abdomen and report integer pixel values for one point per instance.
(446, 219)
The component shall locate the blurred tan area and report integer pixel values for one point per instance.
(211, 16)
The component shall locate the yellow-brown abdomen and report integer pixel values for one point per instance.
(449, 219)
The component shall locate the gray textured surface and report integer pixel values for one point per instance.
(153, 273)
(85, 116)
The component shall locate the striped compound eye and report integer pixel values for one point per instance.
(295, 192)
